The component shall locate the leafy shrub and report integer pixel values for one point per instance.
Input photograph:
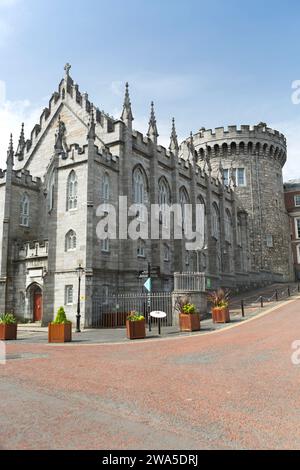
(219, 298)
(7, 319)
(135, 316)
(180, 303)
(61, 318)
(189, 309)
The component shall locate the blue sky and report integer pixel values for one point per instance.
(209, 64)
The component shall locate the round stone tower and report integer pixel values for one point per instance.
(252, 159)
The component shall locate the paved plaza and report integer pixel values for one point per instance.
(233, 388)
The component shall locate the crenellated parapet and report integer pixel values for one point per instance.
(232, 141)
(31, 249)
(24, 178)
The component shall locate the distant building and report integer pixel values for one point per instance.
(292, 202)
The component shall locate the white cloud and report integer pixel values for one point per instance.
(12, 114)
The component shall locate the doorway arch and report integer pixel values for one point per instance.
(35, 297)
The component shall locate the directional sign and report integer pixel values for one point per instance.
(147, 284)
(155, 271)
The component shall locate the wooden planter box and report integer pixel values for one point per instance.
(220, 315)
(8, 332)
(60, 333)
(189, 322)
(136, 329)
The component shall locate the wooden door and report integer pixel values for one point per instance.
(37, 306)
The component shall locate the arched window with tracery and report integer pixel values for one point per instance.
(164, 200)
(184, 200)
(24, 211)
(72, 191)
(140, 191)
(215, 222)
(71, 241)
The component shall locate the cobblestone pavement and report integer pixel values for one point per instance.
(233, 388)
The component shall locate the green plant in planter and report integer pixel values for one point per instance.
(189, 309)
(219, 298)
(135, 316)
(61, 318)
(7, 319)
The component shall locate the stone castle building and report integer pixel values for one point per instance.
(78, 157)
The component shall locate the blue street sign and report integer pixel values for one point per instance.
(147, 284)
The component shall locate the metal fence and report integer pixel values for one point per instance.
(111, 311)
(189, 282)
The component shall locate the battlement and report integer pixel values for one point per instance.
(260, 131)
(106, 157)
(31, 249)
(24, 178)
(257, 140)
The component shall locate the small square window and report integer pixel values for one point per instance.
(240, 177)
(297, 223)
(69, 295)
(297, 200)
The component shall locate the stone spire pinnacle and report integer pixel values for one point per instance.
(10, 153)
(127, 115)
(21, 145)
(174, 147)
(152, 131)
(92, 127)
(191, 148)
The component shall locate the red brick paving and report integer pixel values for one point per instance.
(236, 388)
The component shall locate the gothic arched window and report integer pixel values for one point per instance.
(71, 241)
(183, 199)
(72, 190)
(24, 211)
(215, 222)
(164, 200)
(139, 191)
